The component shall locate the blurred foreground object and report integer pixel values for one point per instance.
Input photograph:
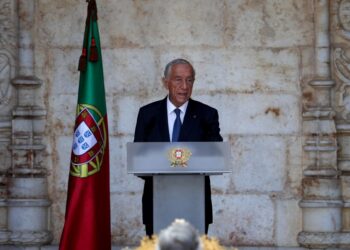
(178, 236)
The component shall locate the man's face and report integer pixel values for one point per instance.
(179, 82)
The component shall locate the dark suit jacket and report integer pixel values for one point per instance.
(201, 123)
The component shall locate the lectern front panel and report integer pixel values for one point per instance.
(178, 197)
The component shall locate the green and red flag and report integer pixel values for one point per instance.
(87, 221)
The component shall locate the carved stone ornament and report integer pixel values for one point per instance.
(8, 40)
(8, 32)
(342, 72)
(342, 64)
(344, 18)
(5, 79)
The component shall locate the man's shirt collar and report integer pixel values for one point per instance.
(171, 107)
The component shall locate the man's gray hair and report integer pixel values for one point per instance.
(175, 62)
(180, 235)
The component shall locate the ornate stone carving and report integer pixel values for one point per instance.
(342, 64)
(26, 209)
(30, 237)
(344, 18)
(5, 79)
(342, 72)
(8, 43)
(321, 187)
(8, 32)
(324, 240)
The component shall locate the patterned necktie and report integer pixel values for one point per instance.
(177, 126)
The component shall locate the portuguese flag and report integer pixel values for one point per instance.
(87, 219)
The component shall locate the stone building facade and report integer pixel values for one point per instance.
(278, 71)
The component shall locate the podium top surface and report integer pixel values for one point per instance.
(150, 158)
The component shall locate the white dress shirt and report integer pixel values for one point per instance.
(172, 116)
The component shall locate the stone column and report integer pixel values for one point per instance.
(8, 53)
(321, 203)
(28, 203)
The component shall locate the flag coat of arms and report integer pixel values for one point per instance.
(87, 218)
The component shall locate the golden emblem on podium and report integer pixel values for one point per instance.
(179, 157)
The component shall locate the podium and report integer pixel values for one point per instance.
(178, 170)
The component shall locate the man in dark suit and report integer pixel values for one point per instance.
(176, 118)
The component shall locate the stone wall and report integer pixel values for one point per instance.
(257, 62)
(251, 59)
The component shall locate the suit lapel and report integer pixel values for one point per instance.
(189, 121)
(163, 121)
